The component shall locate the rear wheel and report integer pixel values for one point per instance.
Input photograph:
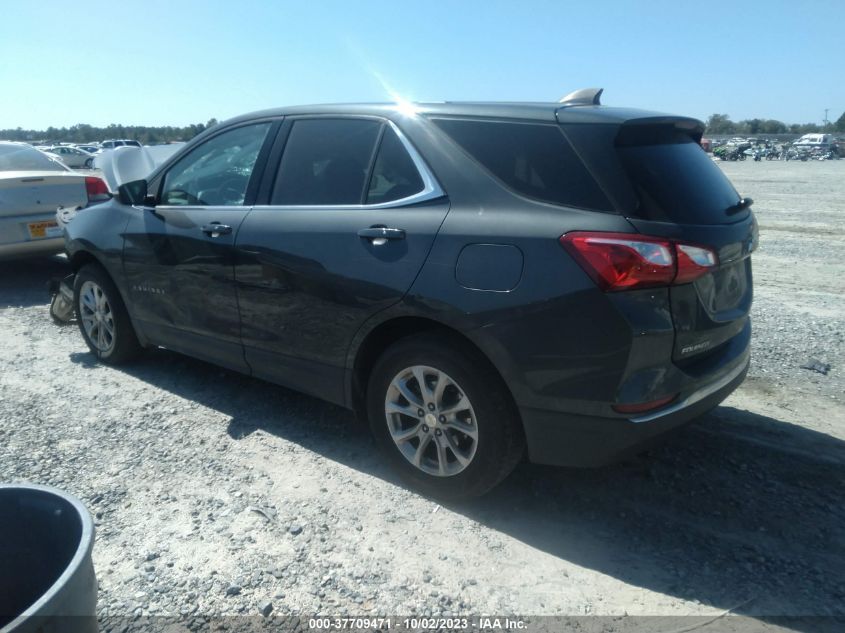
(442, 417)
(102, 316)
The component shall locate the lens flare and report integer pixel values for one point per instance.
(403, 105)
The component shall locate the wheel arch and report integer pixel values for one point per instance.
(82, 258)
(392, 330)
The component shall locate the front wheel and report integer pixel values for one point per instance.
(102, 316)
(441, 417)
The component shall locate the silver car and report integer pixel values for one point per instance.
(33, 187)
(71, 156)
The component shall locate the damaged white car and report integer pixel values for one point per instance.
(32, 187)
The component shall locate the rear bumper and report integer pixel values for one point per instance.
(584, 441)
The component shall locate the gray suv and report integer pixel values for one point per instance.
(481, 282)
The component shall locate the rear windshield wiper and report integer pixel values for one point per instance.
(742, 205)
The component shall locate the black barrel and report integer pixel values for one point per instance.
(47, 580)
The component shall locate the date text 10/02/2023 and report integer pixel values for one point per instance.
(482, 623)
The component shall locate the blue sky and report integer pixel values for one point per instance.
(179, 62)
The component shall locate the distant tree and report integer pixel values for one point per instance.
(753, 126)
(720, 124)
(839, 126)
(771, 126)
(85, 133)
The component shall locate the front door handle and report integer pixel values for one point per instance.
(215, 229)
(381, 233)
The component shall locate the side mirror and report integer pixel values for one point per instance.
(135, 193)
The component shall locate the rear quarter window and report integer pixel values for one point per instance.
(534, 160)
(394, 175)
(24, 158)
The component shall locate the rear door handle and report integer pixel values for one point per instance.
(382, 233)
(215, 229)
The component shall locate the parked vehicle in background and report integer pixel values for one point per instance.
(91, 149)
(71, 156)
(731, 152)
(824, 142)
(472, 278)
(32, 186)
(112, 143)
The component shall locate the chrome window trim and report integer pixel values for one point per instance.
(431, 188)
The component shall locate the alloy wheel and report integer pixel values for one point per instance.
(97, 317)
(431, 421)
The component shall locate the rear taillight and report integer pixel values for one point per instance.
(693, 262)
(642, 407)
(625, 261)
(96, 188)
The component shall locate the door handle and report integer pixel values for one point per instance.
(381, 233)
(215, 229)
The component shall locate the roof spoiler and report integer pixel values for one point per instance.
(585, 96)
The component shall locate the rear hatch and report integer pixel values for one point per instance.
(661, 180)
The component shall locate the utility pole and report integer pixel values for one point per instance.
(825, 121)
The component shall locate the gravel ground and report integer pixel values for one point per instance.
(214, 493)
(799, 271)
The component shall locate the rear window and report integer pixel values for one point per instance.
(534, 160)
(25, 158)
(676, 181)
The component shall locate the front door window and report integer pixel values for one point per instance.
(218, 172)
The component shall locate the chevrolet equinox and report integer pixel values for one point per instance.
(480, 281)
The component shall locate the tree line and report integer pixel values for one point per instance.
(722, 124)
(84, 133)
(150, 135)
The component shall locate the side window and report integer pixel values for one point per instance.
(218, 171)
(325, 162)
(394, 176)
(535, 160)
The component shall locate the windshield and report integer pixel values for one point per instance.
(26, 158)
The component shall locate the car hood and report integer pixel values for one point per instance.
(127, 163)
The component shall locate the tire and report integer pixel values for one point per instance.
(89, 163)
(102, 316)
(452, 464)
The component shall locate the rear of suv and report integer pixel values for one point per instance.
(474, 279)
(113, 143)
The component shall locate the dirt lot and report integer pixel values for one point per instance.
(215, 493)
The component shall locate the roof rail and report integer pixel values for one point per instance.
(585, 96)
